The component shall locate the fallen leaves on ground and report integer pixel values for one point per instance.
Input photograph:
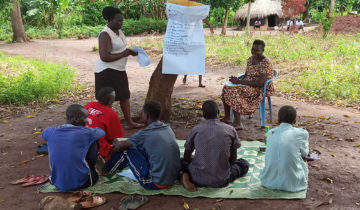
(186, 206)
(350, 139)
(326, 202)
(5, 121)
(29, 116)
(330, 180)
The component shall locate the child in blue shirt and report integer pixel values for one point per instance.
(73, 150)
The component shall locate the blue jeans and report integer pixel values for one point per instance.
(138, 164)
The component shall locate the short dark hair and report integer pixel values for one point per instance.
(74, 111)
(109, 12)
(210, 109)
(153, 109)
(103, 96)
(287, 114)
(260, 43)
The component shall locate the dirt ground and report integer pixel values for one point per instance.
(333, 133)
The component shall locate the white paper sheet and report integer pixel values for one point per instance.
(143, 58)
(184, 43)
(127, 173)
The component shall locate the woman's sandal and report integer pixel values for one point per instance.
(93, 201)
(36, 180)
(79, 196)
(132, 202)
(23, 180)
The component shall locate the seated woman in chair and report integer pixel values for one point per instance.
(245, 99)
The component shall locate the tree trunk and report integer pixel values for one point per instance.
(161, 87)
(248, 17)
(342, 10)
(332, 5)
(207, 22)
(17, 25)
(223, 31)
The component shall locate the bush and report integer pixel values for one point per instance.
(27, 80)
(133, 27)
(130, 27)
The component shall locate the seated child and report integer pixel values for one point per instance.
(215, 163)
(152, 154)
(73, 150)
(285, 168)
(101, 115)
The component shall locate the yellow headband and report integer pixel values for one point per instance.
(185, 3)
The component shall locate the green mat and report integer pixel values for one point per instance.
(248, 186)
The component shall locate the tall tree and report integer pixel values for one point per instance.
(17, 25)
(228, 5)
(332, 5)
(248, 16)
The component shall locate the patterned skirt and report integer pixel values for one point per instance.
(242, 99)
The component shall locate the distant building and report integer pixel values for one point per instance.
(267, 11)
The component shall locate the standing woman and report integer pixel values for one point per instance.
(110, 68)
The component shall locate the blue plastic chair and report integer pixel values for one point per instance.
(262, 104)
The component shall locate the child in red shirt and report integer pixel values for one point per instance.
(101, 115)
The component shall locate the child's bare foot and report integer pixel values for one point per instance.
(187, 183)
(201, 85)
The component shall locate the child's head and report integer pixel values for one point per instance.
(106, 96)
(76, 115)
(210, 109)
(151, 111)
(287, 114)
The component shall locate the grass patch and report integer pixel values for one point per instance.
(309, 66)
(27, 80)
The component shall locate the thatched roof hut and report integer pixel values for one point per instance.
(268, 10)
(260, 9)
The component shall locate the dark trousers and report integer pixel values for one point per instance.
(138, 164)
(91, 157)
(237, 170)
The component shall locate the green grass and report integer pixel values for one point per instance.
(309, 66)
(27, 80)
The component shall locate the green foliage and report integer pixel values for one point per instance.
(27, 80)
(130, 27)
(91, 12)
(216, 17)
(309, 66)
(326, 22)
